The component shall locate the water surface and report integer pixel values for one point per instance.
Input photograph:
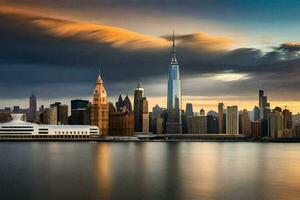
(183, 170)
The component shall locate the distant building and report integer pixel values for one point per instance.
(174, 121)
(99, 107)
(197, 125)
(121, 123)
(255, 129)
(232, 120)
(264, 127)
(120, 104)
(5, 116)
(245, 123)
(159, 125)
(16, 109)
(212, 124)
(212, 113)
(44, 116)
(58, 114)
(156, 116)
(127, 103)
(287, 119)
(276, 124)
(256, 113)
(221, 117)
(189, 110)
(278, 109)
(264, 110)
(32, 108)
(141, 114)
(80, 112)
(188, 113)
(202, 112)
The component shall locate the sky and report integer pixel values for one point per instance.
(227, 50)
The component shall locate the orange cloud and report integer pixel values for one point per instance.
(116, 37)
(113, 36)
(201, 39)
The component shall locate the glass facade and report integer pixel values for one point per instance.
(174, 87)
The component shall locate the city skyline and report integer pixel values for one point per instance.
(215, 65)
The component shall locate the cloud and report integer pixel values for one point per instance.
(40, 53)
(203, 40)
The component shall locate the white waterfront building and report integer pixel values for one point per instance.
(17, 127)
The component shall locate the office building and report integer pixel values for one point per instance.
(255, 129)
(287, 119)
(245, 123)
(212, 123)
(141, 115)
(256, 113)
(275, 124)
(174, 121)
(58, 114)
(197, 125)
(80, 112)
(221, 117)
(32, 109)
(232, 120)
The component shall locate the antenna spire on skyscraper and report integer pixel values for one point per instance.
(173, 41)
(174, 60)
(99, 74)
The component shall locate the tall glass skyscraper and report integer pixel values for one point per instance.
(174, 123)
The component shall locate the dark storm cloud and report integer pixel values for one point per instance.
(62, 57)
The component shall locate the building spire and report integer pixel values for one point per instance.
(174, 60)
(99, 74)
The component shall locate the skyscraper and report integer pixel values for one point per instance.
(245, 123)
(174, 123)
(80, 114)
(220, 117)
(232, 120)
(287, 119)
(256, 114)
(189, 110)
(32, 108)
(141, 115)
(276, 124)
(58, 114)
(263, 105)
(188, 113)
(99, 107)
(264, 112)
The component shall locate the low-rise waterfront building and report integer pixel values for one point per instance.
(19, 128)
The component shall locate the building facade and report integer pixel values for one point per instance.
(121, 123)
(99, 107)
(245, 123)
(197, 125)
(32, 109)
(255, 129)
(275, 124)
(19, 128)
(232, 120)
(221, 117)
(57, 114)
(141, 114)
(80, 112)
(174, 122)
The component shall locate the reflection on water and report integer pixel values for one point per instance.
(56, 170)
